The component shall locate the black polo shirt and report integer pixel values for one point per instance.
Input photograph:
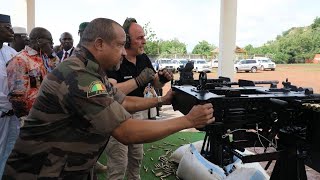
(129, 71)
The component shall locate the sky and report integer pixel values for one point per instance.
(190, 21)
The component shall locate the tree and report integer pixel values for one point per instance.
(152, 45)
(248, 47)
(293, 46)
(316, 23)
(203, 48)
(172, 47)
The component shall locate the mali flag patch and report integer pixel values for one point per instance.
(96, 88)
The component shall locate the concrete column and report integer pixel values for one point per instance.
(30, 15)
(18, 13)
(227, 38)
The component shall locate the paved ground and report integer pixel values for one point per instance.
(300, 75)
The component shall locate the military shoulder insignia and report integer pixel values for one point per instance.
(96, 88)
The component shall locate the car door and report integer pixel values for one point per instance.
(243, 65)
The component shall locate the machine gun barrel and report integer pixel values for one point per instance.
(242, 82)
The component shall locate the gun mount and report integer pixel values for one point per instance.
(286, 120)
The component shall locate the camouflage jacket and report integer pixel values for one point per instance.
(69, 124)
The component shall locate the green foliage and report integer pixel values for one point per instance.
(203, 48)
(249, 48)
(152, 44)
(172, 47)
(152, 48)
(294, 45)
(160, 47)
(316, 23)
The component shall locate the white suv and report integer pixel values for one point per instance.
(176, 63)
(201, 65)
(247, 65)
(166, 64)
(267, 64)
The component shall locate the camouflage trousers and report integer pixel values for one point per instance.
(9, 131)
(124, 160)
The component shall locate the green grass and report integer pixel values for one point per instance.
(158, 148)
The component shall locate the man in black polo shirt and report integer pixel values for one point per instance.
(135, 72)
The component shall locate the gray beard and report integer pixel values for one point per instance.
(116, 67)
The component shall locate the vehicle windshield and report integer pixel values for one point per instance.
(266, 61)
(166, 61)
(183, 61)
(202, 62)
(175, 61)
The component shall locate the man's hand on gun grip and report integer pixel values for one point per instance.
(201, 115)
(167, 99)
(144, 77)
(165, 76)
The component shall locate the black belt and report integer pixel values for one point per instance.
(8, 113)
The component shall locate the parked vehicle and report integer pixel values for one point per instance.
(267, 64)
(201, 65)
(182, 63)
(166, 64)
(247, 65)
(214, 63)
(155, 65)
(176, 63)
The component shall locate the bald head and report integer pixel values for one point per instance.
(105, 40)
(99, 28)
(66, 41)
(134, 28)
(38, 33)
(40, 38)
(137, 40)
(65, 34)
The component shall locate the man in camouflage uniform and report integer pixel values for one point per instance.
(77, 110)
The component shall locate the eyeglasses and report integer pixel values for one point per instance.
(50, 40)
(47, 40)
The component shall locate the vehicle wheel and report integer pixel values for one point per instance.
(253, 69)
(262, 68)
(237, 70)
(273, 69)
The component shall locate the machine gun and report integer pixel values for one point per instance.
(286, 120)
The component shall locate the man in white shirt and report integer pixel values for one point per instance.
(9, 123)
